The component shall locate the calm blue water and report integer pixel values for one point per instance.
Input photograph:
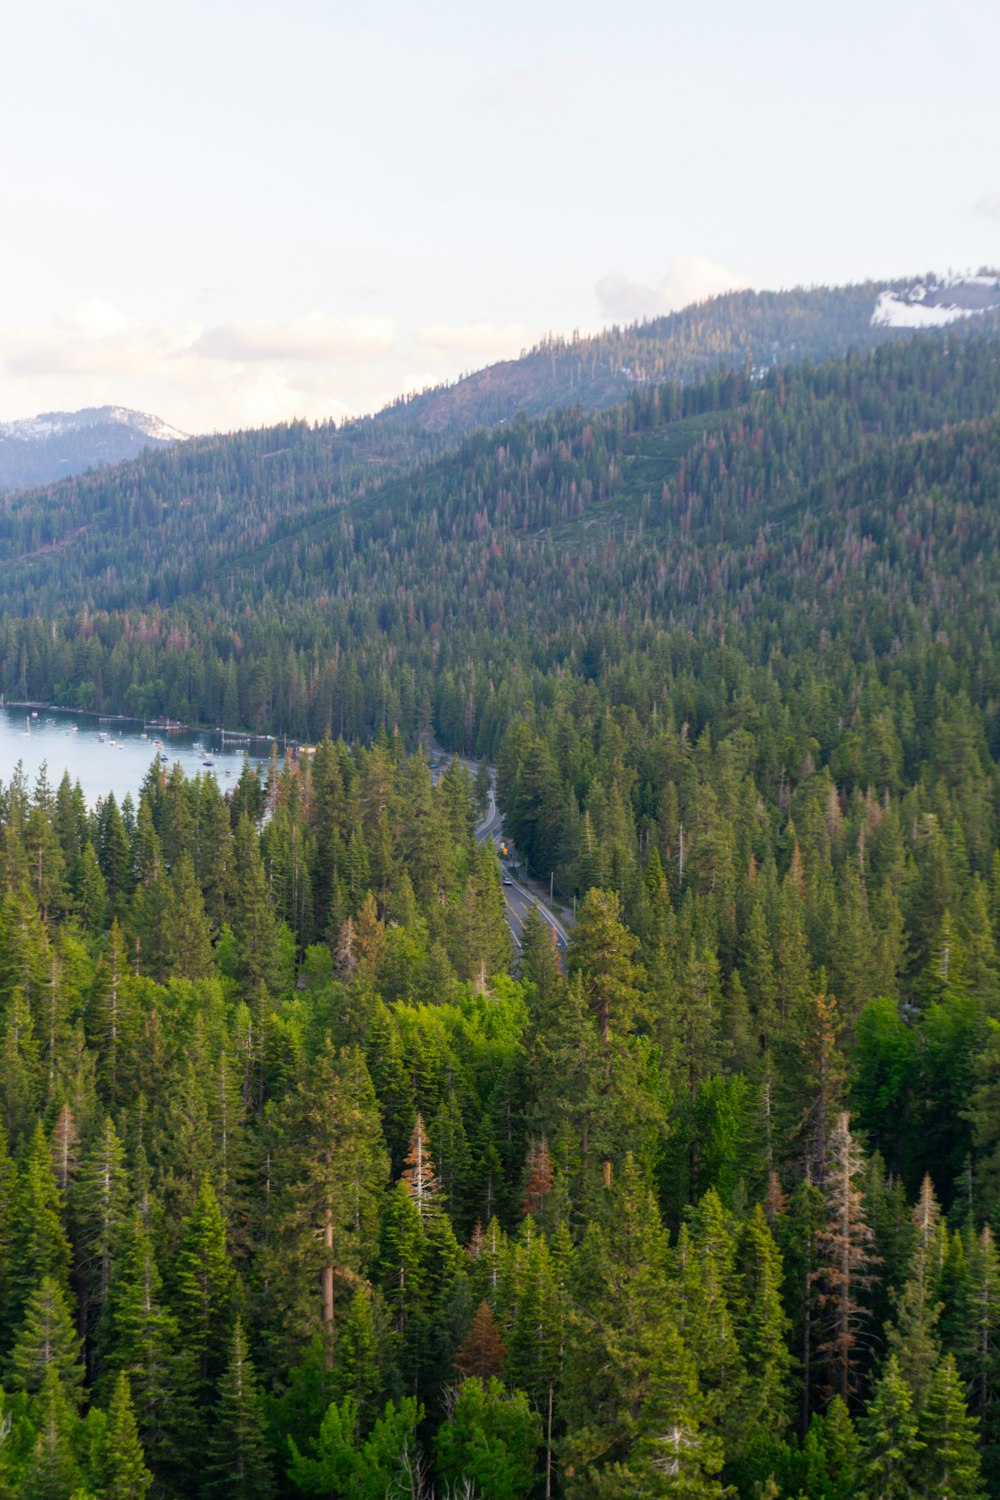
(106, 756)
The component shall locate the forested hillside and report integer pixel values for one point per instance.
(311, 1185)
(39, 450)
(736, 330)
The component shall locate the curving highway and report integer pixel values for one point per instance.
(518, 897)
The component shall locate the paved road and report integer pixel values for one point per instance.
(518, 898)
(492, 825)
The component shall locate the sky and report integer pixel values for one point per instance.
(232, 214)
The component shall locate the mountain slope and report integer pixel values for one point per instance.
(756, 329)
(778, 513)
(58, 444)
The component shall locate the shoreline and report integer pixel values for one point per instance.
(166, 726)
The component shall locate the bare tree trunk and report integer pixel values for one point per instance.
(326, 1282)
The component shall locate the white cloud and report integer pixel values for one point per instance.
(92, 354)
(314, 338)
(92, 318)
(245, 372)
(688, 278)
(91, 339)
(485, 341)
(989, 205)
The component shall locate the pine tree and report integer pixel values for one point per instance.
(566, 1075)
(142, 1341)
(602, 951)
(757, 968)
(422, 835)
(48, 1338)
(326, 817)
(705, 1297)
(537, 1309)
(631, 1400)
(52, 1018)
(829, 1455)
(186, 933)
(360, 1354)
(949, 1466)
(204, 1285)
(213, 851)
(330, 1165)
(847, 1260)
(149, 922)
(401, 1259)
(761, 1326)
(20, 1070)
(540, 964)
(977, 1333)
(25, 951)
(238, 1462)
(51, 1471)
(420, 1177)
(100, 1213)
(112, 1021)
(890, 1464)
(392, 1083)
(482, 1350)
(913, 1339)
(65, 1156)
(39, 1247)
(114, 855)
(811, 1072)
(125, 1474)
(255, 930)
(538, 1177)
(8, 1206)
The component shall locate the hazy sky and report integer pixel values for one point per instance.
(231, 213)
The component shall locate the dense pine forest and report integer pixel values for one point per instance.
(312, 1182)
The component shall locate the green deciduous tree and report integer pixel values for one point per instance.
(491, 1438)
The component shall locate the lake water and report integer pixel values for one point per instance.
(105, 755)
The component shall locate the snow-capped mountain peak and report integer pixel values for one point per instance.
(58, 423)
(57, 444)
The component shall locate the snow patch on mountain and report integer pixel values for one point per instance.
(51, 424)
(936, 304)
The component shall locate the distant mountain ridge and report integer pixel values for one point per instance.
(296, 578)
(58, 444)
(755, 330)
(759, 329)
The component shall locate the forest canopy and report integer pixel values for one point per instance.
(312, 1181)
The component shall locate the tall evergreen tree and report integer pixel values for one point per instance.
(913, 1339)
(890, 1462)
(204, 1291)
(125, 1474)
(331, 1164)
(950, 1464)
(238, 1462)
(47, 1338)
